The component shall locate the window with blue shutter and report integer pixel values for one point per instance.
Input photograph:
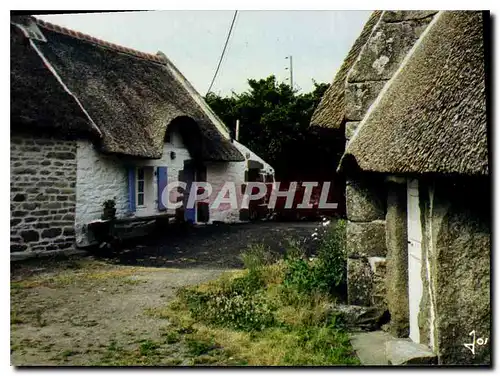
(162, 180)
(131, 189)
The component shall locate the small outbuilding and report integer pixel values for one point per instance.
(419, 188)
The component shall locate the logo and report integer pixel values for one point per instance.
(478, 342)
(231, 195)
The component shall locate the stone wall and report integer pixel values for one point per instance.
(391, 40)
(365, 234)
(456, 274)
(396, 234)
(42, 194)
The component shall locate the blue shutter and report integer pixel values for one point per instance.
(162, 179)
(131, 189)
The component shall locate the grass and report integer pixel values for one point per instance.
(252, 317)
(275, 312)
(302, 335)
(147, 352)
(86, 271)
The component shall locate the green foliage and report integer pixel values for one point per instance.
(172, 337)
(236, 305)
(275, 124)
(320, 345)
(332, 257)
(242, 303)
(275, 313)
(256, 256)
(300, 275)
(109, 210)
(197, 347)
(148, 347)
(327, 272)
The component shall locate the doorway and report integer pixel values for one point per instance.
(195, 173)
(415, 285)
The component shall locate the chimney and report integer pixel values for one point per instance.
(237, 136)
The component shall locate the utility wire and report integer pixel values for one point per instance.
(223, 51)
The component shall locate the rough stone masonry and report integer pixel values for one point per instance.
(390, 41)
(43, 194)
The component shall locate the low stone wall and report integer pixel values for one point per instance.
(42, 194)
(366, 245)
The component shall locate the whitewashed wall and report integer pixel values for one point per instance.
(219, 172)
(103, 177)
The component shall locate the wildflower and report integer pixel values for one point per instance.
(326, 223)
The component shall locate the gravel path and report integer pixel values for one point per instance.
(214, 246)
(78, 311)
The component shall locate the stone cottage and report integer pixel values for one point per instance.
(411, 97)
(92, 121)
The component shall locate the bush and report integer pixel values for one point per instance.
(238, 305)
(256, 257)
(328, 272)
(332, 258)
(284, 307)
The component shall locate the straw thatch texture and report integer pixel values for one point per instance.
(330, 112)
(37, 99)
(131, 96)
(432, 116)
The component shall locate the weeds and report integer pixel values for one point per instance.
(274, 313)
(325, 274)
(148, 347)
(172, 337)
(197, 347)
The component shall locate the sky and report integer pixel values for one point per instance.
(260, 41)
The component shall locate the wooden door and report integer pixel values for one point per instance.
(189, 178)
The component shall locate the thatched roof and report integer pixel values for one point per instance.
(37, 99)
(431, 116)
(130, 96)
(330, 112)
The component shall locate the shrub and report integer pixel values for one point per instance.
(327, 272)
(332, 257)
(257, 256)
(238, 305)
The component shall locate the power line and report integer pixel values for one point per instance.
(223, 51)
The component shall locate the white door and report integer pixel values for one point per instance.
(415, 286)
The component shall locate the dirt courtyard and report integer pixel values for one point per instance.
(96, 310)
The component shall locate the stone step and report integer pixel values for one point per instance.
(380, 348)
(405, 352)
(370, 347)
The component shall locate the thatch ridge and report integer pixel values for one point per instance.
(97, 41)
(330, 112)
(431, 117)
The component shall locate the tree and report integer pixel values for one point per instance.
(275, 121)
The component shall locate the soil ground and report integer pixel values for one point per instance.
(93, 310)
